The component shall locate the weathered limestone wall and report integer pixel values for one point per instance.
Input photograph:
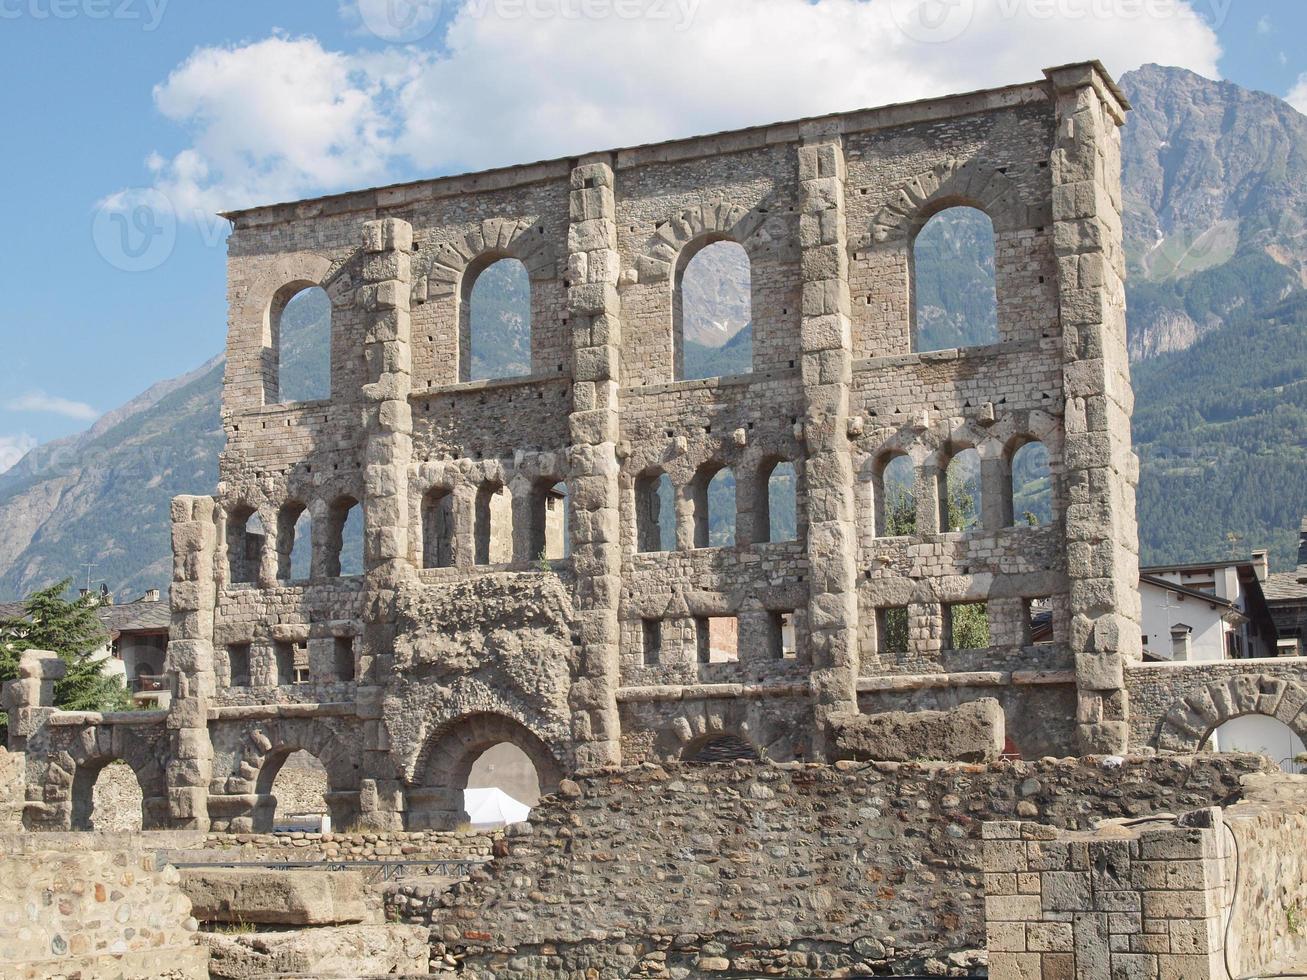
(94, 903)
(306, 846)
(809, 868)
(1213, 894)
(13, 789)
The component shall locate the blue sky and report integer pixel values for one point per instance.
(121, 114)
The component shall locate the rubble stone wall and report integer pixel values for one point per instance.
(95, 903)
(803, 867)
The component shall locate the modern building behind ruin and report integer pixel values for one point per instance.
(457, 636)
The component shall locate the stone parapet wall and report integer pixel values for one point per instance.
(382, 846)
(93, 905)
(803, 868)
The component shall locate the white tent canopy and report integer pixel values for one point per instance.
(493, 808)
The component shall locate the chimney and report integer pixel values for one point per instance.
(1262, 563)
(1180, 634)
(152, 595)
(1302, 551)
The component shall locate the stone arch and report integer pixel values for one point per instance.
(497, 238)
(263, 751)
(85, 757)
(697, 725)
(1191, 719)
(441, 772)
(676, 240)
(953, 183)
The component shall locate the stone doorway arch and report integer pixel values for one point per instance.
(443, 767)
(264, 751)
(1191, 719)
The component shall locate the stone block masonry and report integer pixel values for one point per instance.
(1214, 894)
(455, 637)
(781, 869)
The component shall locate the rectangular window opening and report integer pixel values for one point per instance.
(966, 626)
(782, 636)
(344, 657)
(238, 665)
(717, 639)
(1039, 621)
(651, 638)
(892, 629)
(285, 656)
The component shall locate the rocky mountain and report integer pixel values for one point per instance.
(1216, 230)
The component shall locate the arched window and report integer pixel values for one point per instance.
(714, 507)
(954, 294)
(895, 492)
(1032, 485)
(777, 503)
(438, 528)
(712, 311)
(493, 525)
(245, 538)
(655, 513)
(495, 330)
(501, 788)
(294, 543)
(300, 344)
(343, 542)
(959, 493)
(549, 533)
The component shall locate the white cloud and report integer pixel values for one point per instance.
(1297, 96)
(39, 401)
(14, 448)
(508, 81)
(1264, 25)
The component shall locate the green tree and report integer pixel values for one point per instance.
(71, 629)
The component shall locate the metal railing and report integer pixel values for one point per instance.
(372, 871)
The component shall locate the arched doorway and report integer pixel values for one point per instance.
(107, 796)
(299, 794)
(1262, 735)
(467, 757)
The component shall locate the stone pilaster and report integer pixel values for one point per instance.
(594, 308)
(1101, 469)
(827, 367)
(388, 418)
(29, 699)
(190, 660)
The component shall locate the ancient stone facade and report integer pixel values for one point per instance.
(455, 636)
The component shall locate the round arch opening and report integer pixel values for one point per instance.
(1263, 735)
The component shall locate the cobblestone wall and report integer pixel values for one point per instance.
(93, 905)
(807, 869)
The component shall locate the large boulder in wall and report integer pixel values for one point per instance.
(971, 732)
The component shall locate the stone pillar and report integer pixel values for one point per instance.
(594, 307)
(29, 700)
(190, 660)
(1101, 470)
(385, 295)
(827, 362)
